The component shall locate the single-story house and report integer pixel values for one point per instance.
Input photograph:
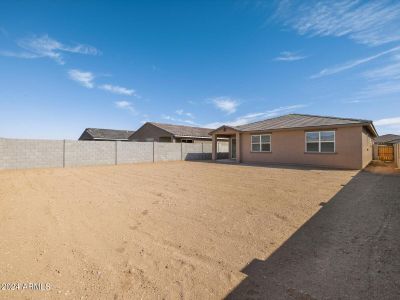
(387, 139)
(158, 132)
(98, 134)
(301, 139)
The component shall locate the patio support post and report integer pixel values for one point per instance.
(214, 147)
(238, 143)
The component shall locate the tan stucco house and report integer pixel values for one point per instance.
(171, 133)
(301, 139)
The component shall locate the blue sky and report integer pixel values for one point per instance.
(68, 65)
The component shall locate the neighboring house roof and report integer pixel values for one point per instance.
(184, 131)
(388, 138)
(106, 134)
(301, 121)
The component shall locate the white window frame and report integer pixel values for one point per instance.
(319, 141)
(259, 136)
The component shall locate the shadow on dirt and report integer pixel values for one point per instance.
(289, 166)
(350, 249)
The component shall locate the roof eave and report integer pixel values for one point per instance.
(225, 126)
(193, 136)
(373, 130)
(108, 139)
(372, 127)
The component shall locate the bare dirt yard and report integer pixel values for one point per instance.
(194, 230)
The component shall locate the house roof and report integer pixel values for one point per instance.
(301, 121)
(184, 131)
(108, 134)
(388, 138)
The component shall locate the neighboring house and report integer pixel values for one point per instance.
(97, 134)
(387, 139)
(169, 133)
(301, 139)
(384, 147)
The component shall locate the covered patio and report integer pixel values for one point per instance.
(234, 142)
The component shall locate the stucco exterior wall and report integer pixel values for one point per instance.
(289, 147)
(396, 148)
(375, 151)
(149, 132)
(367, 148)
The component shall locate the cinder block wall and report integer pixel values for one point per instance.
(193, 151)
(21, 154)
(203, 151)
(167, 151)
(132, 152)
(84, 153)
(18, 153)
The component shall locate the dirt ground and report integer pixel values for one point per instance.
(171, 230)
(350, 249)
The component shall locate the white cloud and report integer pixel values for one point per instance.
(379, 89)
(353, 101)
(376, 92)
(125, 105)
(352, 64)
(253, 117)
(371, 22)
(82, 77)
(86, 78)
(117, 89)
(382, 83)
(226, 104)
(388, 125)
(289, 56)
(44, 46)
(178, 120)
(389, 71)
(388, 121)
(181, 112)
(18, 54)
(388, 130)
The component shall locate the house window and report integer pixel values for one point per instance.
(261, 143)
(187, 141)
(320, 141)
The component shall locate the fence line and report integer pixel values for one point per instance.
(20, 153)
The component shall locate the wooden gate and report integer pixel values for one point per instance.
(385, 153)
